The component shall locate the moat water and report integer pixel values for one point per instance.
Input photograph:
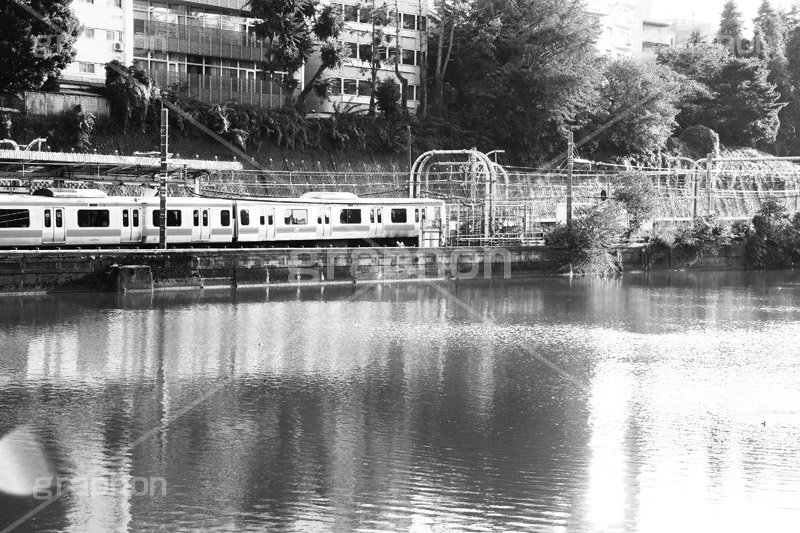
(661, 402)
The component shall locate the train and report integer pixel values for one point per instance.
(90, 218)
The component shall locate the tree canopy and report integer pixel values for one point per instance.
(35, 43)
(525, 72)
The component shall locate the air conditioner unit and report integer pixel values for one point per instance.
(118, 47)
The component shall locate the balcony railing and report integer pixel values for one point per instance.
(261, 93)
(160, 36)
(656, 38)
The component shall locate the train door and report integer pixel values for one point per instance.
(205, 224)
(53, 225)
(379, 222)
(270, 223)
(326, 222)
(131, 225)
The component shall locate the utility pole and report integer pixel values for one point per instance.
(709, 182)
(570, 167)
(162, 219)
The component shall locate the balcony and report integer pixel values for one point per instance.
(159, 36)
(260, 93)
(238, 5)
(655, 38)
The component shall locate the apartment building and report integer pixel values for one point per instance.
(621, 24)
(210, 48)
(401, 35)
(655, 34)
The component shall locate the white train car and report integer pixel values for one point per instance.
(83, 218)
(54, 217)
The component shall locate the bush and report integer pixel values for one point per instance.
(585, 246)
(705, 239)
(5, 126)
(775, 240)
(699, 141)
(636, 192)
(387, 97)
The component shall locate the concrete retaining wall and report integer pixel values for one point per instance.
(144, 270)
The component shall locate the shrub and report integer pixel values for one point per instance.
(636, 192)
(705, 239)
(699, 141)
(775, 240)
(387, 97)
(585, 246)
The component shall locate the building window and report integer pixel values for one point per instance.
(364, 16)
(350, 87)
(364, 88)
(93, 218)
(350, 216)
(295, 217)
(365, 52)
(422, 24)
(86, 67)
(335, 85)
(15, 218)
(353, 47)
(409, 57)
(88, 33)
(408, 21)
(350, 13)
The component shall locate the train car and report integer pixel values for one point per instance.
(69, 218)
(59, 217)
(190, 221)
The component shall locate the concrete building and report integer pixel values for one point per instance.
(621, 23)
(210, 48)
(655, 34)
(403, 41)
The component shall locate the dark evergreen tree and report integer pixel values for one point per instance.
(525, 73)
(35, 43)
(731, 28)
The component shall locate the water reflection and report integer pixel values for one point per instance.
(406, 409)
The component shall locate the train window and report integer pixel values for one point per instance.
(125, 218)
(205, 217)
(93, 218)
(173, 217)
(416, 215)
(263, 220)
(196, 218)
(47, 219)
(380, 215)
(295, 216)
(350, 216)
(225, 217)
(269, 220)
(399, 215)
(327, 218)
(59, 218)
(372, 216)
(15, 218)
(244, 217)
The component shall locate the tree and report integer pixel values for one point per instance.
(447, 16)
(525, 74)
(745, 107)
(131, 93)
(35, 43)
(643, 98)
(731, 28)
(387, 95)
(328, 26)
(739, 102)
(291, 30)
